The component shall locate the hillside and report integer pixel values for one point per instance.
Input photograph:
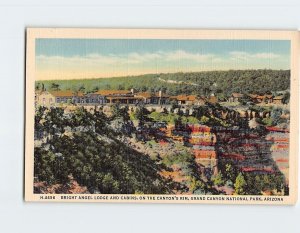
(222, 83)
(85, 147)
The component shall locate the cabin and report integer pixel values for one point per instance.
(200, 101)
(184, 99)
(236, 97)
(252, 97)
(278, 99)
(259, 99)
(268, 99)
(189, 100)
(213, 99)
(159, 98)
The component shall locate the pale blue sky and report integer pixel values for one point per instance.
(93, 58)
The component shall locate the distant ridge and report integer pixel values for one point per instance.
(222, 83)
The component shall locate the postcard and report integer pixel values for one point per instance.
(161, 116)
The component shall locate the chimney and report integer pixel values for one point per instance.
(132, 90)
(160, 93)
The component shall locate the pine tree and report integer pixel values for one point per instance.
(240, 184)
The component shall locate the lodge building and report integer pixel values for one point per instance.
(52, 98)
(55, 98)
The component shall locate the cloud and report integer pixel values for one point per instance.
(123, 59)
(112, 65)
(183, 55)
(100, 60)
(248, 56)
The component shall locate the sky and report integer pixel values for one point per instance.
(96, 58)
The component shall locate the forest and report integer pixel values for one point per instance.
(221, 83)
(84, 146)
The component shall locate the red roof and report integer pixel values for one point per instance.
(269, 96)
(252, 95)
(144, 94)
(113, 92)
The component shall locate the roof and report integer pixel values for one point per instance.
(144, 94)
(280, 97)
(269, 96)
(255, 96)
(113, 92)
(213, 99)
(237, 95)
(185, 97)
(252, 95)
(92, 95)
(67, 93)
